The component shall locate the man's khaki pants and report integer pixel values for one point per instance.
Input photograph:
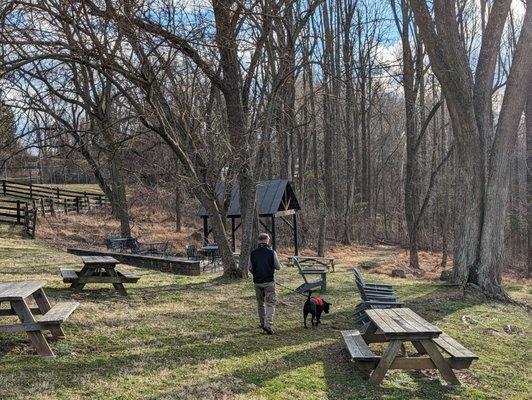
(266, 299)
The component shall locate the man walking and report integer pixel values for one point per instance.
(262, 263)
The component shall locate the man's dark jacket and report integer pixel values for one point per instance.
(262, 264)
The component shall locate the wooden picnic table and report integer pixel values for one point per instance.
(34, 320)
(98, 269)
(396, 326)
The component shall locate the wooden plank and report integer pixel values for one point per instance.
(413, 363)
(407, 324)
(443, 366)
(99, 279)
(88, 260)
(455, 349)
(386, 361)
(127, 277)
(399, 324)
(44, 307)
(357, 347)
(19, 290)
(284, 213)
(379, 316)
(428, 326)
(375, 317)
(69, 274)
(58, 313)
(36, 337)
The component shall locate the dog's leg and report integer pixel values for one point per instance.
(305, 319)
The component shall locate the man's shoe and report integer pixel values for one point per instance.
(268, 330)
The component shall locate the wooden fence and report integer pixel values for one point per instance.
(51, 200)
(16, 212)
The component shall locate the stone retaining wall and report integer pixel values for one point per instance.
(174, 265)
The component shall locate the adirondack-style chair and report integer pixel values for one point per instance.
(373, 291)
(373, 296)
(321, 282)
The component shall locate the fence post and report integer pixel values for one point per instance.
(4, 186)
(18, 212)
(42, 207)
(77, 204)
(52, 210)
(57, 192)
(26, 218)
(31, 191)
(66, 207)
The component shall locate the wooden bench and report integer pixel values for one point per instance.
(59, 313)
(461, 357)
(359, 350)
(69, 275)
(127, 277)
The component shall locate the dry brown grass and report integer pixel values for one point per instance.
(156, 225)
(93, 228)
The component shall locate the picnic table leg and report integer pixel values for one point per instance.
(443, 366)
(386, 361)
(419, 347)
(36, 337)
(111, 271)
(44, 306)
(83, 273)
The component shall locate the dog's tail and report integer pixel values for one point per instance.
(309, 295)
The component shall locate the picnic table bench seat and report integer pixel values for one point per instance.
(455, 349)
(69, 275)
(59, 313)
(54, 317)
(128, 277)
(358, 348)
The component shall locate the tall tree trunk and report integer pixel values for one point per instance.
(178, 222)
(482, 151)
(528, 119)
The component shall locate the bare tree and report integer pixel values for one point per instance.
(483, 148)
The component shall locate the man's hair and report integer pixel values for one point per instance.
(264, 237)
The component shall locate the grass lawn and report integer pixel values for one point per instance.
(179, 337)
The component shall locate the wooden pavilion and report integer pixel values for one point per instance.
(275, 199)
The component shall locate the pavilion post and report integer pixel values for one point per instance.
(205, 230)
(273, 232)
(296, 247)
(233, 236)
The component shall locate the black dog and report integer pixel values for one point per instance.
(314, 306)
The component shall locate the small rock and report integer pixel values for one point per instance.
(368, 264)
(508, 329)
(398, 273)
(445, 275)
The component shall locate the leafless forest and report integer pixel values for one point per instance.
(400, 121)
